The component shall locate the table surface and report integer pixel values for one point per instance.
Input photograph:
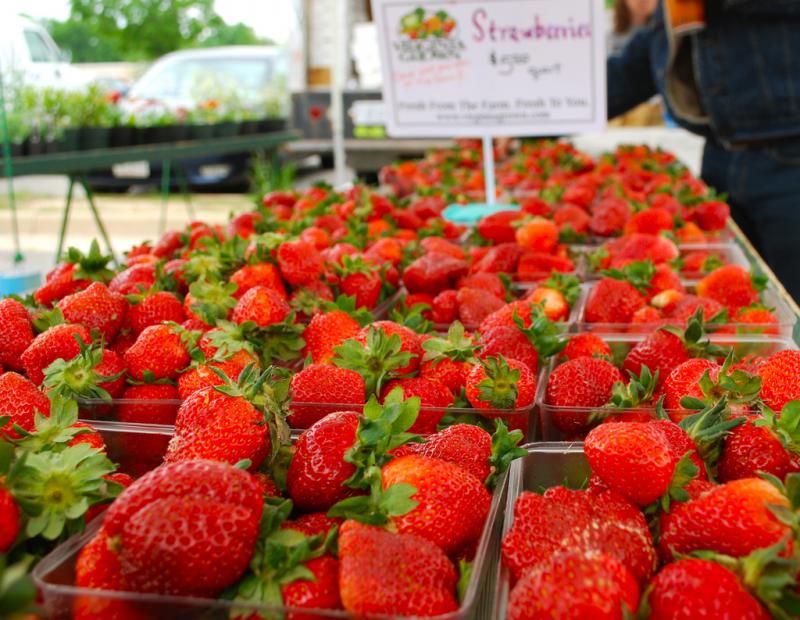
(81, 161)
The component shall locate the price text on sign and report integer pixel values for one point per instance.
(492, 67)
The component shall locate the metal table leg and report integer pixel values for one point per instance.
(165, 172)
(96, 215)
(184, 185)
(62, 233)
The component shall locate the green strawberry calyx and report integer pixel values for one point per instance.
(543, 334)
(639, 390)
(639, 274)
(412, 317)
(505, 449)
(54, 431)
(708, 428)
(685, 471)
(279, 559)
(377, 360)
(212, 301)
(499, 388)
(785, 427)
(456, 346)
(78, 377)
(737, 386)
(566, 284)
(91, 266)
(695, 338)
(17, 591)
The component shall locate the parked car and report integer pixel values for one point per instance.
(183, 81)
(29, 54)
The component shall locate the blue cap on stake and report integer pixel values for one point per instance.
(473, 212)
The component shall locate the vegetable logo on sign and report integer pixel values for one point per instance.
(428, 35)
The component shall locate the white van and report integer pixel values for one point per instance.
(28, 53)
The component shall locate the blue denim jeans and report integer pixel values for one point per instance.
(763, 187)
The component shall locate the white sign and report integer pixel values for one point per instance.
(492, 67)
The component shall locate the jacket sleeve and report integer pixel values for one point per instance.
(630, 80)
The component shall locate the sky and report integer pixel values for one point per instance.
(269, 18)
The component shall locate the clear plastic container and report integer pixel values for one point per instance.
(729, 254)
(553, 423)
(770, 297)
(54, 577)
(547, 465)
(135, 448)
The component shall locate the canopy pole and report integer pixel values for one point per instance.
(488, 170)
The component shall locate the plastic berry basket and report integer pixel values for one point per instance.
(728, 253)
(546, 465)
(769, 297)
(54, 578)
(135, 448)
(546, 420)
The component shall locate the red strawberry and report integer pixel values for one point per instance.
(211, 509)
(434, 398)
(524, 309)
(216, 426)
(489, 282)
(261, 305)
(711, 215)
(449, 360)
(537, 234)
(650, 221)
(9, 520)
(60, 341)
(20, 400)
(779, 382)
(365, 288)
(586, 345)
(609, 216)
(452, 504)
(155, 308)
(96, 309)
(409, 342)
(76, 273)
(94, 373)
(733, 518)
(509, 341)
(612, 301)
(327, 331)
(535, 266)
(134, 280)
(16, 333)
(444, 309)
(684, 380)
(401, 574)
(437, 244)
(768, 443)
(259, 274)
(756, 320)
(318, 469)
(567, 520)
(730, 285)
(474, 305)
(502, 258)
(575, 584)
(433, 272)
(300, 262)
(685, 306)
(695, 588)
(497, 383)
(160, 351)
(313, 524)
(204, 375)
(498, 227)
(572, 221)
(323, 383)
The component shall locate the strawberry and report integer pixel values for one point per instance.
(9, 520)
(444, 309)
(94, 373)
(684, 380)
(237, 429)
(730, 285)
(16, 332)
(465, 445)
(554, 305)
(583, 382)
(768, 443)
(300, 262)
(451, 505)
(434, 397)
(209, 302)
(490, 282)
(565, 520)
(502, 258)
(474, 305)
(259, 274)
(380, 352)
(59, 341)
(160, 351)
(650, 221)
(212, 508)
(437, 244)
(510, 342)
(638, 247)
(497, 383)
(498, 227)
(318, 468)
(448, 360)
(75, 273)
(537, 234)
(575, 584)
(609, 216)
(313, 524)
(202, 376)
(20, 399)
(433, 272)
(133, 280)
(535, 266)
(147, 404)
(734, 518)
(323, 383)
(96, 309)
(394, 574)
(261, 305)
(325, 332)
(572, 222)
(756, 320)
(154, 308)
(779, 383)
(586, 345)
(636, 460)
(612, 301)
(710, 215)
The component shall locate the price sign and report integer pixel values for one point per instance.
(492, 67)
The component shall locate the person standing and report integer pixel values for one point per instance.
(729, 70)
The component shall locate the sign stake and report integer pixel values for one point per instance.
(488, 170)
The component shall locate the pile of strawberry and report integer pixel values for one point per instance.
(364, 517)
(691, 520)
(679, 369)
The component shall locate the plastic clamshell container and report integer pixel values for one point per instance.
(54, 578)
(135, 448)
(729, 254)
(546, 465)
(553, 423)
(769, 297)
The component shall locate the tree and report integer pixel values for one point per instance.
(132, 30)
